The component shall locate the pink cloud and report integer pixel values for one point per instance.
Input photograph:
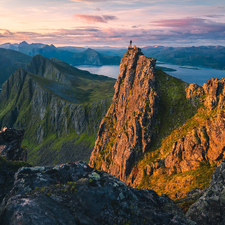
(191, 25)
(178, 22)
(94, 18)
(184, 31)
(90, 18)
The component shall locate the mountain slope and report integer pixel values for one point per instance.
(91, 57)
(160, 132)
(11, 60)
(53, 102)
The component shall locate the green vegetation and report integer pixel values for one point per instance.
(60, 114)
(15, 165)
(179, 183)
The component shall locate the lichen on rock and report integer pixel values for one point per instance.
(75, 193)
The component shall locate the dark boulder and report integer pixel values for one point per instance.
(210, 208)
(7, 172)
(78, 194)
(10, 140)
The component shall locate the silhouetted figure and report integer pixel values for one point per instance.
(131, 43)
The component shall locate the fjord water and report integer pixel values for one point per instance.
(109, 71)
(198, 75)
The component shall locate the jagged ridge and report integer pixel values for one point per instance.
(41, 99)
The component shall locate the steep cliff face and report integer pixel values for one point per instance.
(55, 102)
(128, 128)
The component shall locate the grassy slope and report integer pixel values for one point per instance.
(184, 119)
(85, 87)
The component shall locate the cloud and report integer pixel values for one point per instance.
(88, 1)
(94, 18)
(107, 17)
(164, 32)
(214, 16)
(90, 18)
(178, 22)
(192, 25)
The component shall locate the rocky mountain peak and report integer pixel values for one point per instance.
(23, 43)
(127, 130)
(37, 62)
(45, 67)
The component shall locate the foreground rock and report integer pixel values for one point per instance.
(209, 209)
(77, 194)
(10, 141)
(7, 172)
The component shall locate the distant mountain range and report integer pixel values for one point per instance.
(71, 55)
(203, 56)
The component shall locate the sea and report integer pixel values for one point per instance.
(198, 75)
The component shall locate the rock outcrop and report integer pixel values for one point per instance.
(127, 130)
(78, 194)
(206, 142)
(10, 140)
(209, 209)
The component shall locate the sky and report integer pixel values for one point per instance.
(113, 22)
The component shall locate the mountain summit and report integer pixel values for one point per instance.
(159, 131)
(128, 128)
